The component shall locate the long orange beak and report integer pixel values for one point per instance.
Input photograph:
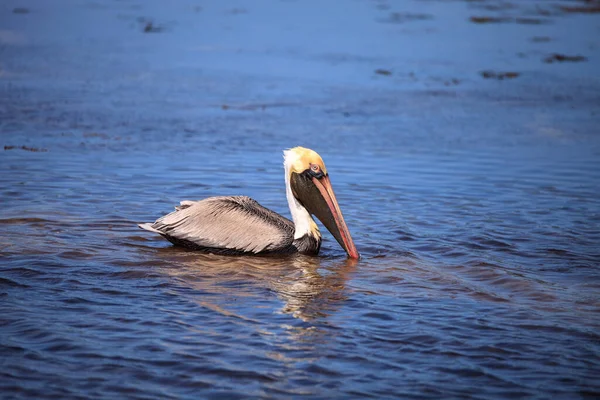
(334, 220)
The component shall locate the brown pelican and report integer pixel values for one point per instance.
(239, 225)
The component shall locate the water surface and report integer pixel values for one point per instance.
(474, 202)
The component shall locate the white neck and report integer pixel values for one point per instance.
(303, 222)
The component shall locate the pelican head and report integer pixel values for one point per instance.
(309, 191)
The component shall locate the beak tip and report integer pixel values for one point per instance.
(353, 253)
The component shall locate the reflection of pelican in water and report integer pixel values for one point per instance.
(239, 225)
(307, 294)
(311, 295)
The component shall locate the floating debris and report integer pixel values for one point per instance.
(531, 21)
(402, 17)
(382, 71)
(151, 28)
(499, 75)
(488, 20)
(518, 20)
(562, 58)
(34, 149)
(581, 9)
(20, 10)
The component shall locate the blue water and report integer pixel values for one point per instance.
(474, 202)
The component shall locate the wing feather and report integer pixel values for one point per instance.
(231, 223)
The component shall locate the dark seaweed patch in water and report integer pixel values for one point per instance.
(499, 75)
(518, 20)
(531, 21)
(150, 27)
(402, 17)
(556, 57)
(592, 9)
(385, 72)
(497, 6)
(26, 148)
(488, 20)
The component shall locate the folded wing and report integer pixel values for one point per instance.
(226, 224)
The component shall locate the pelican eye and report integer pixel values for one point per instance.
(315, 171)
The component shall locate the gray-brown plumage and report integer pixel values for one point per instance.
(226, 224)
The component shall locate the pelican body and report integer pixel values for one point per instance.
(240, 225)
